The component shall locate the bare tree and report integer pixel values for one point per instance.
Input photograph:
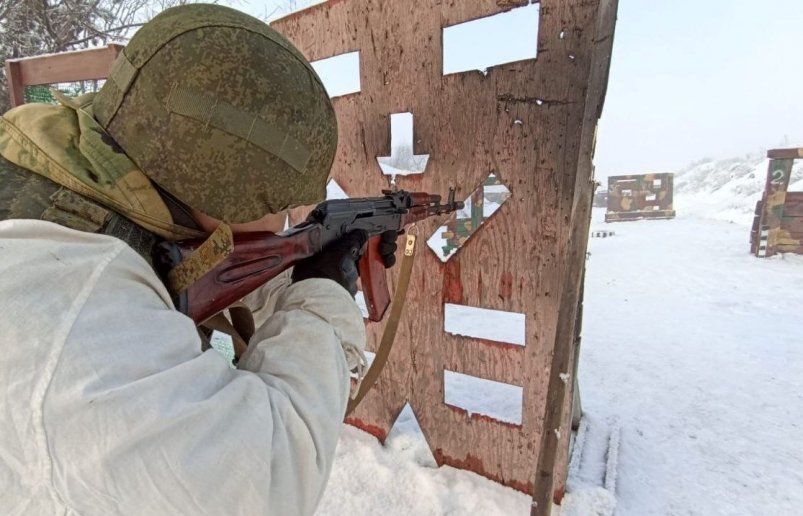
(33, 27)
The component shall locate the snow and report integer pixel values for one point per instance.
(693, 344)
(727, 189)
(691, 376)
(400, 479)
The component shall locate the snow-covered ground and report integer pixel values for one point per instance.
(692, 356)
(695, 348)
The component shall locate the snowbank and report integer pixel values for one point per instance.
(726, 189)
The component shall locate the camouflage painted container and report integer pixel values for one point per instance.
(778, 222)
(635, 197)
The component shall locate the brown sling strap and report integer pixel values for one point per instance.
(389, 335)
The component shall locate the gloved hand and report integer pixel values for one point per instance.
(387, 247)
(337, 262)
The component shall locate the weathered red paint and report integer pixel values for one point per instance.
(365, 427)
(506, 285)
(482, 417)
(472, 463)
(452, 286)
(557, 496)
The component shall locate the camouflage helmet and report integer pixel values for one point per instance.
(222, 112)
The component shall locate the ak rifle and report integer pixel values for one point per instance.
(258, 257)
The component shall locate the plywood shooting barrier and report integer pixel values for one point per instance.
(71, 69)
(526, 128)
(634, 197)
(517, 141)
(778, 222)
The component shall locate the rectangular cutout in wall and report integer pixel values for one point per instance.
(650, 197)
(627, 193)
(494, 40)
(497, 400)
(402, 160)
(340, 74)
(656, 183)
(482, 323)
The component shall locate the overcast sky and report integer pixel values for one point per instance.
(692, 79)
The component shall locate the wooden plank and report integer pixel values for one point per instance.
(795, 248)
(523, 120)
(785, 153)
(491, 360)
(16, 90)
(793, 204)
(755, 230)
(639, 215)
(553, 459)
(792, 225)
(80, 65)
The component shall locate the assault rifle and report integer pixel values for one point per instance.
(260, 256)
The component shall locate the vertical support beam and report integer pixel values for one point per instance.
(551, 470)
(16, 88)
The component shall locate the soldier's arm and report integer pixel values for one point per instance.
(139, 421)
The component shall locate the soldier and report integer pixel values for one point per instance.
(110, 406)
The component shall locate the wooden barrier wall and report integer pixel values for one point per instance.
(634, 197)
(530, 123)
(778, 222)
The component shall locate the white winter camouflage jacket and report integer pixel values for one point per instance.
(110, 407)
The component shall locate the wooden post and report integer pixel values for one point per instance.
(16, 90)
(778, 174)
(554, 445)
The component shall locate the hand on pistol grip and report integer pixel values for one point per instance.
(337, 262)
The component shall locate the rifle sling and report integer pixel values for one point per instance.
(389, 335)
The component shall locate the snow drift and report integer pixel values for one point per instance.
(726, 189)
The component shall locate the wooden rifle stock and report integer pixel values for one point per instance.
(259, 257)
(256, 259)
